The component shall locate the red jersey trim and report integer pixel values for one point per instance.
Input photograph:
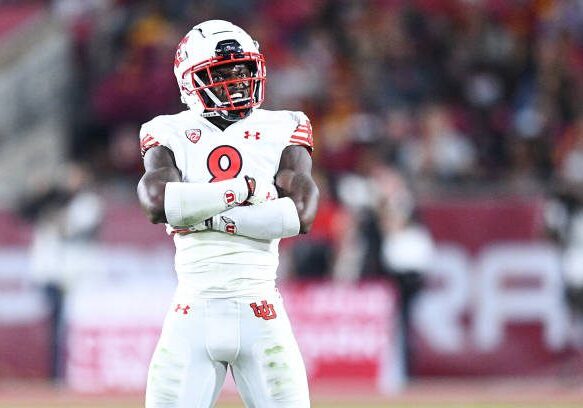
(302, 136)
(147, 143)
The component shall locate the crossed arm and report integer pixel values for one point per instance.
(268, 220)
(160, 169)
(294, 180)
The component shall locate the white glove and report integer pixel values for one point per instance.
(221, 223)
(201, 226)
(261, 190)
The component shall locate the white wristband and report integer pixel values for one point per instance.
(269, 220)
(191, 203)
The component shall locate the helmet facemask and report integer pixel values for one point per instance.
(230, 84)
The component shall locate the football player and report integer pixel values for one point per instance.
(229, 180)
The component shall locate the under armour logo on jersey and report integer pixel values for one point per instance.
(248, 135)
(193, 135)
(184, 308)
(264, 310)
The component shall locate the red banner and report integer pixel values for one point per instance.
(344, 331)
(495, 301)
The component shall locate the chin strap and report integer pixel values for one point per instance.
(225, 115)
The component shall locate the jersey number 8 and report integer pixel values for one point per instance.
(224, 163)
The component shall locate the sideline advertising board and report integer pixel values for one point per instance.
(344, 331)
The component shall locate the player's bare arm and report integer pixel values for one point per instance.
(294, 180)
(160, 169)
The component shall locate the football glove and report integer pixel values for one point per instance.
(221, 223)
(260, 190)
(201, 226)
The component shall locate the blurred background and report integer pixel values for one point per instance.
(448, 249)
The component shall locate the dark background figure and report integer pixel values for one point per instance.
(66, 219)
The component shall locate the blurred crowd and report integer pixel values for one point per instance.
(446, 91)
(406, 98)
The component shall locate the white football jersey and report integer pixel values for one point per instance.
(212, 263)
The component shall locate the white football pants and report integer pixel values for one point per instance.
(202, 337)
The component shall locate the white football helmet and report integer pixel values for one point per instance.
(212, 44)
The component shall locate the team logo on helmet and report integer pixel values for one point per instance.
(193, 135)
(181, 53)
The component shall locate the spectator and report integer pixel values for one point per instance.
(66, 220)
